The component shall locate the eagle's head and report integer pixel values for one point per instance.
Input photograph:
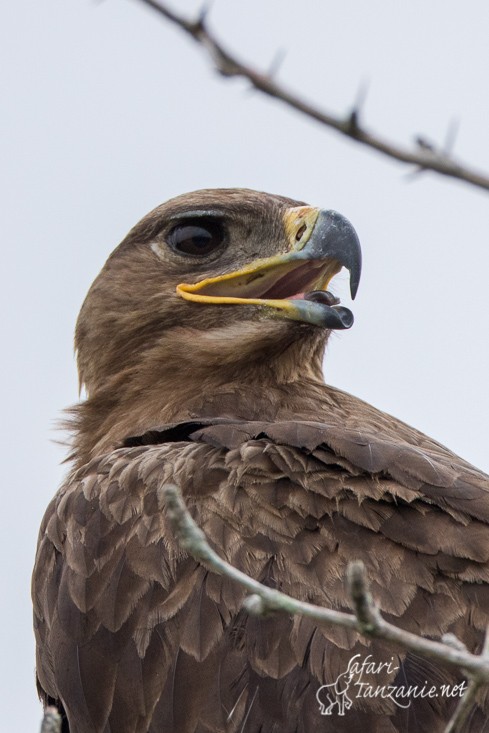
(212, 286)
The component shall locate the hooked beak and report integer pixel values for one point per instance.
(293, 285)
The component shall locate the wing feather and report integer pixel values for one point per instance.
(119, 605)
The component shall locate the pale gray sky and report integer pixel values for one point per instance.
(108, 111)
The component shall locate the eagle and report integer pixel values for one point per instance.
(200, 348)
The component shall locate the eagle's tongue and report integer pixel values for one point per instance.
(321, 296)
(324, 297)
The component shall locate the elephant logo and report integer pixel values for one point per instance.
(335, 694)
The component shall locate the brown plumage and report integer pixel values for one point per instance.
(289, 478)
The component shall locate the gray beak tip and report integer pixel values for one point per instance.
(340, 240)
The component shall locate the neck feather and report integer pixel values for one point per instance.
(236, 371)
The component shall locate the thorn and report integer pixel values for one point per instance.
(353, 120)
(352, 126)
(203, 14)
(277, 62)
(361, 96)
(425, 144)
(452, 132)
(198, 26)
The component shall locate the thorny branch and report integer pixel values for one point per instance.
(367, 619)
(426, 157)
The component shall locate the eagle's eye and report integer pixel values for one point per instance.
(196, 236)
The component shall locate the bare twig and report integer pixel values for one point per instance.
(424, 157)
(263, 599)
(367, 613)
(367, 619)
(51, 723)
(467, 702)
(372, 624)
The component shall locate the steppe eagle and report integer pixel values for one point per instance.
(200, 348)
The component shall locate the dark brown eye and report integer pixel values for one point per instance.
(198, 237)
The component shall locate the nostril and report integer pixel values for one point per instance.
(300, 232)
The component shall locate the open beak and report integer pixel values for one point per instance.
(295, 284)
